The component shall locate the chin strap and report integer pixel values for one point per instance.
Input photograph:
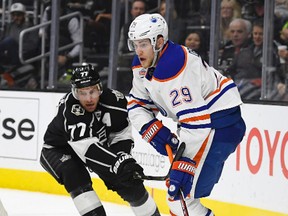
(157, 52)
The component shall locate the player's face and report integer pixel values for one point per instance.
(89, 97)
(144, 50)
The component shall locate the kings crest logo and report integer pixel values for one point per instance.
(77, 110)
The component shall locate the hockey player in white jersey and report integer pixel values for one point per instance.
(174, 80)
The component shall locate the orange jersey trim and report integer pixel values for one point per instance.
(199, 154)
(197, 118)
(218, 89)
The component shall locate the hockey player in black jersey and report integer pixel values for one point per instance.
(91, 131)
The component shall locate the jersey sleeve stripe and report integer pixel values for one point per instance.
(212, 101)
(134, 102)
(139, 99)
(218, 89)
(139, 106)
(193, 110)
(98, 162)
(113, 107)
(189, 126)
(196, 118)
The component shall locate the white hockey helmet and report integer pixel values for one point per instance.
(147, 26)
(17, 7)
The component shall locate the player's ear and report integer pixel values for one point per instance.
(160, 42)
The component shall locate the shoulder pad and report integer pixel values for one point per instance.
(171, 63)
(111, 97)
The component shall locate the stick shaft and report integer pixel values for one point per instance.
(169, 152)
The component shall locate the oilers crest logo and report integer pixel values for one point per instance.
(142, 72)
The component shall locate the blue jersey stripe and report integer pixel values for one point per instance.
(141, 100)
(232, 85)
(194, 110)
(189, 126)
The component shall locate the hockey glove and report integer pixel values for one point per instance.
(125, 167)
(181, 178)
(158, 136)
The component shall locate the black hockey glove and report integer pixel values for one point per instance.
(125, 167)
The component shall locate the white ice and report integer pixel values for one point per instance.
(24, 203)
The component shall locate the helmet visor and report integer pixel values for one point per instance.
(131, 45)
(88, 92)
(143, 44)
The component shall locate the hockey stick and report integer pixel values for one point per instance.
(179, 153)
(182, 201)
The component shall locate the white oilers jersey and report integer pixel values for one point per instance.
(182, 87)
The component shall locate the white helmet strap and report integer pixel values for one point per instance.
(156, 54)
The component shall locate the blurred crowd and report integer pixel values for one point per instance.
(240, 39)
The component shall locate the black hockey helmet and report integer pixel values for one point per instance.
(85, 76)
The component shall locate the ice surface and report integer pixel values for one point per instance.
(18, 202)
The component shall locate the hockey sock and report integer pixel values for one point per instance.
(96, 212)
(88, 202)
(193, 205)
(145, 207)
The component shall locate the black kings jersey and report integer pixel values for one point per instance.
(109, 122)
